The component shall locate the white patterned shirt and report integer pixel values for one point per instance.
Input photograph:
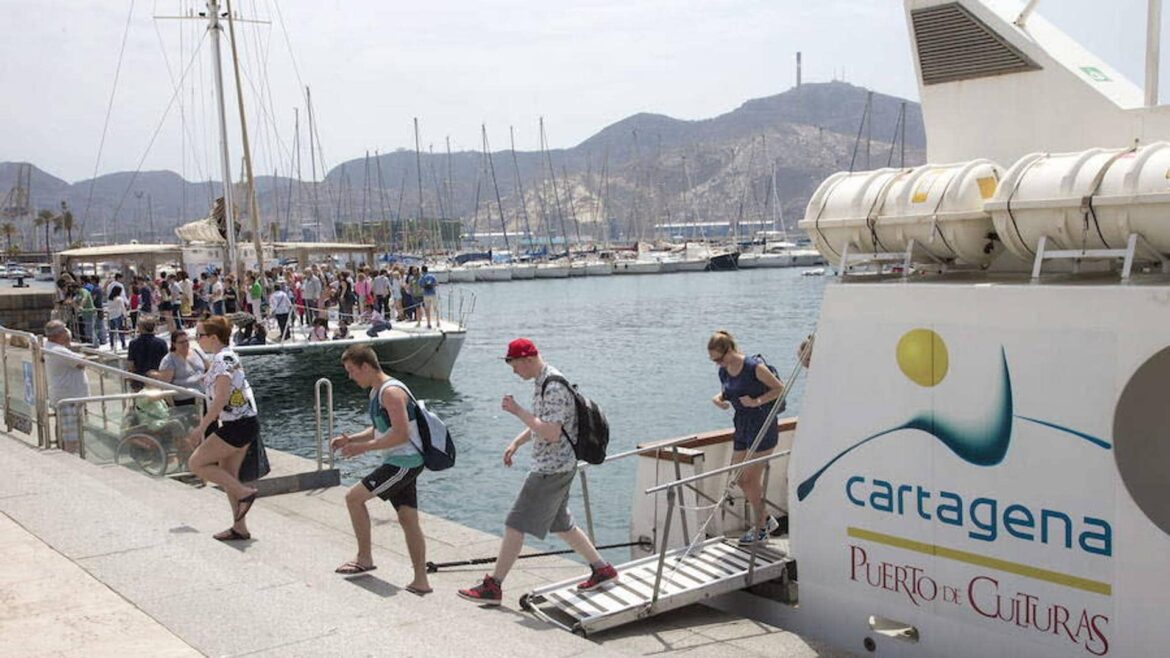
(241, 403)
(555, 406)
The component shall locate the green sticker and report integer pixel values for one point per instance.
(1095, 74)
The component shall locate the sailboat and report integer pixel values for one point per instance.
(427, 353)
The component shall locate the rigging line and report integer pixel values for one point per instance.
(261, 53)
(266, 114)
(109, 113)
(176, 86)
(158, 128)
(288, 44)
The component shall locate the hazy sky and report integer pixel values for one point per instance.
(373, 65)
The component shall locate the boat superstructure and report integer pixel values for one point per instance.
(978, 468)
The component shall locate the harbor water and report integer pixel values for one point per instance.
(635, 344)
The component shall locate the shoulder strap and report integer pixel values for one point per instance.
(397, 384)
(555, 378)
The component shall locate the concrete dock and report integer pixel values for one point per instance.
(100, 560)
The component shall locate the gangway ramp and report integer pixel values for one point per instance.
(714, 567)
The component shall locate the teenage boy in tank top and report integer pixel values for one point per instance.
(392, 429)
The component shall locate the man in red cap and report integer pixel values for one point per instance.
(543, 502)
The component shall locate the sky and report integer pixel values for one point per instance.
(77, 102)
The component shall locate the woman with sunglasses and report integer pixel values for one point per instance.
(182, 366)
(749, 387)
(233, 406)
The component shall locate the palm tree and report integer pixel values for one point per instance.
(67, 223)
(45, 218)
(8, 230)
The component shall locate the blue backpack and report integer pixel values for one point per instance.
(435, 443)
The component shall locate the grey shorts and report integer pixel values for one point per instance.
(543, 504)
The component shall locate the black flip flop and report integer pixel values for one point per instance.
(353, 569)
(244, 505)
(232, 535)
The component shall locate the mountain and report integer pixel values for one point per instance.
(644, 170)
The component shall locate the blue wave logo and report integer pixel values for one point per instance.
(984, 442)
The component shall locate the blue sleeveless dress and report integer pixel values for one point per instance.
(748, 421)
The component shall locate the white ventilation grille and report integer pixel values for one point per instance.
(955, 45)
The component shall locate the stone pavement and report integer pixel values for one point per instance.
(49, 606)
(162, 586)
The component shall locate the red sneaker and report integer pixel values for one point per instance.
(488, 592)
(598, 578)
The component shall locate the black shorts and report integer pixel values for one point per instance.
(239, 433)
(394, 484)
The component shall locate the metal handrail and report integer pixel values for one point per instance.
(657, 447)
(324, 381)
(125, 374)
(718, 471)
(114, 397)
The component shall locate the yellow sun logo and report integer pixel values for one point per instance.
(922, 356)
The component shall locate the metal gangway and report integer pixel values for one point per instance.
(705, 566)
(675, 578)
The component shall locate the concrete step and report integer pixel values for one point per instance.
(149, 540)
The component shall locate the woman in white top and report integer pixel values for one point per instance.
(233, 406)
(396, 291)
(116, 308)
(281, 306)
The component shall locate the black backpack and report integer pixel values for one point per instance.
(592, 427)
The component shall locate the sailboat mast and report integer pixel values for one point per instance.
(231, 261)
(496, 186)
(556, 194)
(253, 205)
(313, 164)
(418, 169)
(520, 187)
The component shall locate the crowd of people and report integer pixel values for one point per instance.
(101, 311)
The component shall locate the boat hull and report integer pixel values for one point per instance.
(493, 273)
(725, 262)
(600, 268)
(637, 267)
(753, 261)
(552, 271)
(523, 271)
(423, 353)
(462, 275)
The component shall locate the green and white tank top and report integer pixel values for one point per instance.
(404, 455)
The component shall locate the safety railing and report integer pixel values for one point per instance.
(672, 490)
(327, 385)
(136, 430)
(24, 386)
(460, 305)
(671, 451)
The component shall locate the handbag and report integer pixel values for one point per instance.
(255, 464)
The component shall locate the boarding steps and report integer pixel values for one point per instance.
(148, 539)
(711, 568)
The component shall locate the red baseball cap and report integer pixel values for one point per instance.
(521, 348)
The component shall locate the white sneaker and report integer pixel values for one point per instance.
(753, 536)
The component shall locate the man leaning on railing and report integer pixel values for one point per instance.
(67, 379)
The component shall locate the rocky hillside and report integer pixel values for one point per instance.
(644, 170)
